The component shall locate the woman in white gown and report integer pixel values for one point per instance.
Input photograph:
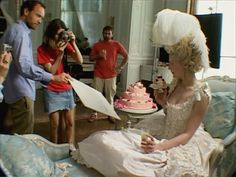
(179, 146)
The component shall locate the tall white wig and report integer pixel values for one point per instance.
(172, 25)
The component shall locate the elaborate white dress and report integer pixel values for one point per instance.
(118, 153)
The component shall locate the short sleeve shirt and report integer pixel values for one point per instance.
(48, 55)
(105, 68)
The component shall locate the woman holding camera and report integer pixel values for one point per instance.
(59, 99)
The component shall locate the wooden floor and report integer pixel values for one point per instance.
(82, 128)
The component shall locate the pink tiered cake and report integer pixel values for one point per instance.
(135, 97)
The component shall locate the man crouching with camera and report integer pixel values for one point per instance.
(5, 60)
(59, 99)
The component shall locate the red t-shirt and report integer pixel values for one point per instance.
(105, 68)
(48, 55)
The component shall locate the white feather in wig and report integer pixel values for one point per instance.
(172, 25)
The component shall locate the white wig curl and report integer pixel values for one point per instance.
(172, 25)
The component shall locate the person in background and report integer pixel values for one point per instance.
(19, 86)
(84, 46)
(58, 97)
(5, 21)
(105, 53)
(5, 60)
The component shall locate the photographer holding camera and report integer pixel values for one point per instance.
(58, 97)
(5, 60)
(19, 86)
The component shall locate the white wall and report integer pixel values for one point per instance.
(141, 51)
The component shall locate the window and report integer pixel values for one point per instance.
(228, 56)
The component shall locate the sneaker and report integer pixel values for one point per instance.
(72, 148)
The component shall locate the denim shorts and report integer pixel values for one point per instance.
(56, 101)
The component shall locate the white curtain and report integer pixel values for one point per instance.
(85, 18)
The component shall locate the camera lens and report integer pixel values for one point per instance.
(64, 36)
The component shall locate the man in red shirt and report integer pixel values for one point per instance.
(105, 53)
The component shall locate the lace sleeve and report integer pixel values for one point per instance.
(203, 90)
(207, 90)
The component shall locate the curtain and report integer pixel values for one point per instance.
(191, 9)
(85, 18)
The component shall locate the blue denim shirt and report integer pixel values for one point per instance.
(23, 72)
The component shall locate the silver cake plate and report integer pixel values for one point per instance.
(138, 111)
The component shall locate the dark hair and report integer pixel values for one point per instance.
(51, 30)
(107, 28)
(30, 4)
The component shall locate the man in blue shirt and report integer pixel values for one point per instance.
(19, 86)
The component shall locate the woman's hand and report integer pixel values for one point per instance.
(61, 45)
(71, 36)
(161, 97)
(148, 144)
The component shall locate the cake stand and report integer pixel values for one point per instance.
(136, 111)
(134, 116)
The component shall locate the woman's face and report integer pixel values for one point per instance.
(57, 34)
(55, 43)
(176, 67)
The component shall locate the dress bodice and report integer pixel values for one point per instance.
(177, 115)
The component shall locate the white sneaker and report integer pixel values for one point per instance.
(72, 148)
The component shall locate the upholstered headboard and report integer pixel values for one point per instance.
(222, 84)
(220, 119)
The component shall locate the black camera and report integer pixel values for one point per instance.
(64, 36)
(5, 48)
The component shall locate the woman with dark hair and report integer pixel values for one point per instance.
(59, 100)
